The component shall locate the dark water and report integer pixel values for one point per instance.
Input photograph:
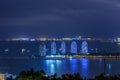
(86, 67)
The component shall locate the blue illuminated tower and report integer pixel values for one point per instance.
(42, 50)
(63, 48)
(53, 48)
(73, 47)
(84, 47)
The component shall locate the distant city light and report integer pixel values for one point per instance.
(6, 50)
(65, 39)
(42, 39)
(32, 40)
(118, 39)
(20, 39)
(23, 50)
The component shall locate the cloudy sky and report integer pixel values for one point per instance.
(59, 18)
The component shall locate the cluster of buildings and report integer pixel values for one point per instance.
(66, 39)
(54, 49)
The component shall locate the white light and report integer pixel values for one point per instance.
(6, 50)
(23, 50)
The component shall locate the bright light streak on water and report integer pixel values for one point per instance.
(52, 65)
(84, 67)
(109, 66)
(70, 58)
(52, 69)
(73, 63)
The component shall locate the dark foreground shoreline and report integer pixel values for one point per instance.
(41, 75)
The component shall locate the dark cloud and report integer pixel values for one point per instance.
(99, 18)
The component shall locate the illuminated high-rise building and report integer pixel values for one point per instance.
(42, 50)
(84, 47)
(73, 47)
(53, 48)
(63, 48)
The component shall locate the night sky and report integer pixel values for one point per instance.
(59, 18)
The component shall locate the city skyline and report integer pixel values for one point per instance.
(59, 39)
(27, 18)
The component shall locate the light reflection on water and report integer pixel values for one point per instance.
(52, 66)
(84, 67)
(81, 66)
(109, 66)
(72, 66)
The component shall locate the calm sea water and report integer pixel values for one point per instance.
(86, 67)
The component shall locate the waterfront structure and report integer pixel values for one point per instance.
(73, 47)
(42, 50)
(53, 48)
(63, 48)
(84, 47)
